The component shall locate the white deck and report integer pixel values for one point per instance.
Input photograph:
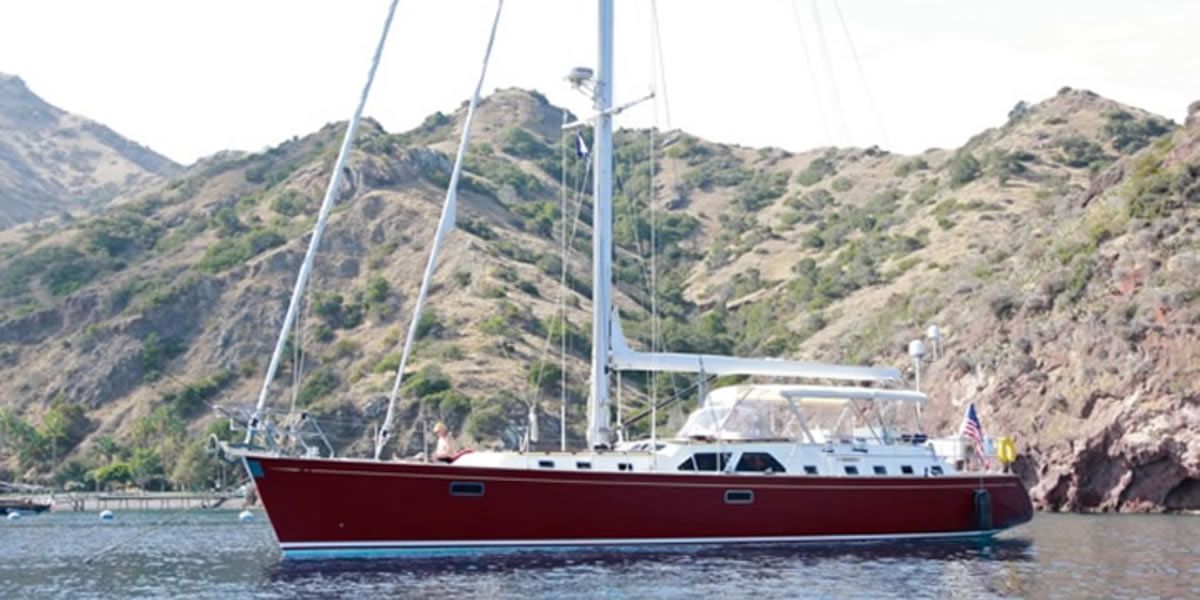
(827, 460)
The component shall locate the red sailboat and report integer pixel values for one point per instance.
(752, 464)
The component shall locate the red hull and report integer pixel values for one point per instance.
(336, 505)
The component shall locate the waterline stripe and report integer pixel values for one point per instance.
(293, 547)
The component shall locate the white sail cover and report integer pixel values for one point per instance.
(623, 358)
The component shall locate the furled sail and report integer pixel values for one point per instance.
(445, 224)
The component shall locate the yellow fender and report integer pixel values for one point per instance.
(1006, 450)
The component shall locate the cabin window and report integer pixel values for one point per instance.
(466, 488)
(810, 469)
(706, 461)
(906, 469)
(935, 470)
(851, 470)
(880, 470)
(546, 464)
(583, 465)
(739, 496)
(624, 467)
(759, 462)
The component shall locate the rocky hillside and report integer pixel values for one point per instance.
(1057, 252)
(53, 162)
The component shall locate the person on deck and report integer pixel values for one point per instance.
(445, 445)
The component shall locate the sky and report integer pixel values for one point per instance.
(190, 78)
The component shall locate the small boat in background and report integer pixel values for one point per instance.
(23, 505)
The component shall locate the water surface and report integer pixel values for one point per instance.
(212, 554)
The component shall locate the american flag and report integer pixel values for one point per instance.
(971, 429)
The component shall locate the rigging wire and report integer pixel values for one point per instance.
(444, 225)
(658, 60)
(814, 87)
(839, 112)
(562, 287)
(656, 55)
(660, 77)
(330, 199)
(861, 74)
(533, 392)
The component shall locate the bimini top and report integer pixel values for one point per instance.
(761, 412)
(808, 394)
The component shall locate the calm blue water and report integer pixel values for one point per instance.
(211, 554)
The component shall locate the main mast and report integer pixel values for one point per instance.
(598, 433)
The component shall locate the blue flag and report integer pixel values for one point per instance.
(581, 149)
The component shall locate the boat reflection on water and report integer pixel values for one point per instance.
(912, 568)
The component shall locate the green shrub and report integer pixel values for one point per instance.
(923, 193)
(477, 227)
(723, 170)
(523, 144)
(119, 234)
(762, 189)
(426, 382)
(538, 217)
(323, 333)
(430, 325)
(318, 385)
(1006, 165)
(388, 364)
(227, 223)
(156, 353)
(817, 170)
(1082, 153)
(911, 166)
(962, 168)
(544, 375)
(842, 184)
(193, 397)
(226, 255)
(290, 203)
(1128, 134)
(377, 290)
(689, 149)
(529, 288)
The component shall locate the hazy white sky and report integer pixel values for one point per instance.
(189, 78)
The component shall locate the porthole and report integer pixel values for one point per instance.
(466, 488)
(739, 496)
